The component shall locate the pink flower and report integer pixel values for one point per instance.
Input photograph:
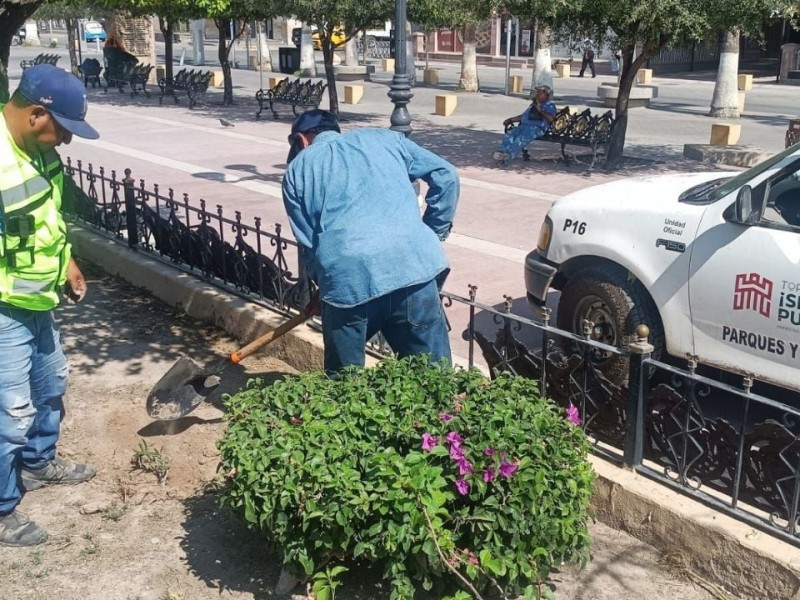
(428, 442)
(445, 417)
(573, 414)
(488, 451)
(454, 438)
(462, 486)
(456, 453)
(488, 475)
(507, 469)
(465, 467)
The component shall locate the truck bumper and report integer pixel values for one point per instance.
(539, 275)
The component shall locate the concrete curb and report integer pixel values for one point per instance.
(244, 320)
(749, 564)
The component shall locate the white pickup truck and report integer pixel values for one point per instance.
(710, 262)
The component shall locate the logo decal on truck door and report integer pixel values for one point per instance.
(753, 292)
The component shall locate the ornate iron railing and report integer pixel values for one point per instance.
(246, 259)
(724, 445)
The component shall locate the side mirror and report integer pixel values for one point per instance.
(743, 209)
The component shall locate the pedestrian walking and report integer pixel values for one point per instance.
(532, 124)
(354, 212)
(45, 111)
(588, 57)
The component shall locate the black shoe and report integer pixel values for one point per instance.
(16, 529)
(56, 472)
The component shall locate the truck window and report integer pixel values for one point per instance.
(783, 202)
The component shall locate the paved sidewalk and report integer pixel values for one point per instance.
(500, 210)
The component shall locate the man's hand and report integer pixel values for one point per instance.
(75, 289)
(313, 308)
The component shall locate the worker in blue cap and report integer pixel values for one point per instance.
(354, 212)
(36, 269)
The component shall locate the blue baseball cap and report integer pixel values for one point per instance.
(62, 94)
(315, 119)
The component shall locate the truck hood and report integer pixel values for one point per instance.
(637, 195)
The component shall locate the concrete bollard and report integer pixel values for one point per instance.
(388, 64)
(725, 134)
(644, 76)
(431, 76)
(515, 84)
(745, 82)
(564, 70)
(741, 102)
(353, 94)
(274, 81)
(217, 78)
(446, 104)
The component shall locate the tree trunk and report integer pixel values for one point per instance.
(616, 146)
(167, 29)
(308, 65)
(223, 53)
(469, 62)
(542, 63)
(327, 58)
(263, 46)
(351, 52)
(12, 17)
(71, 39)
(725, 101)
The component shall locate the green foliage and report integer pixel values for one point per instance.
(337, 470)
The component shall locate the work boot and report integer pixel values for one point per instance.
(57, 471)
(16, 529)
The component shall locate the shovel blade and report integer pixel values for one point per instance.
(182, 389)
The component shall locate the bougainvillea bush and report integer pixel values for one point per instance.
(445, 478)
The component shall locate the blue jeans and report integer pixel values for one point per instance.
(411, 319)
(515, 140)
(33, 380)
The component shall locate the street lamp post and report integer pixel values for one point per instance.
(400, 89)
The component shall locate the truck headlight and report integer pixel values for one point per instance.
(545, 234)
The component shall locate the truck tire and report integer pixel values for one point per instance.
(616, 305)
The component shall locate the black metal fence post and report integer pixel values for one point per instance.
(131, 210)
(634, 423)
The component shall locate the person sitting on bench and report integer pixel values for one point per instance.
(533, 123)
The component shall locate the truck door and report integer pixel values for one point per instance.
(744, 282)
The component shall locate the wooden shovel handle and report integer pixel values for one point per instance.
(270, 336)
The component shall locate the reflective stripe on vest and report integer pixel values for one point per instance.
(30, 286)
(20, 193)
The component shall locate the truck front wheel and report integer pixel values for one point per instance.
(616, 306)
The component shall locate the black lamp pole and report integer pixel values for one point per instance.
(400, 89)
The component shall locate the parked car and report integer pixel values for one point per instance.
(710, 262)
(92, 30)
(339, 37)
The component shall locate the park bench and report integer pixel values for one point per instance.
(293, 93)
(193, 83)
(90, 70)
(118, 67)
(574, 129)
(42, 59)
(138, 76)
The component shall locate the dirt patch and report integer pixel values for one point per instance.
(125, 536)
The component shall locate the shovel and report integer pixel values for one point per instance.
(185, 386)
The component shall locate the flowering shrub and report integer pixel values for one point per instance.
(443, 476)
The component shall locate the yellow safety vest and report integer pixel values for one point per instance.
(34, 252)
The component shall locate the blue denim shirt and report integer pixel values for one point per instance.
(548, 108)
(354, 213)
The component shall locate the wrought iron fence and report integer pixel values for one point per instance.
(724, 445)
(733, 449)
(246, 259)
(375, 48)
